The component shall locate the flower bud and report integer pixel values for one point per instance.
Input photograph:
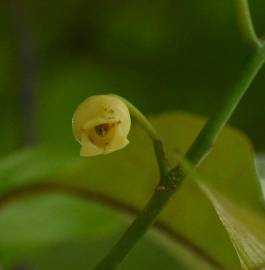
(101, 125)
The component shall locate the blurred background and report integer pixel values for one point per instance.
(161, 55)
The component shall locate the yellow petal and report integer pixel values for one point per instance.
(88, 149)
(118, 141)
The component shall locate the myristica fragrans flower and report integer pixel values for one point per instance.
(101, 125)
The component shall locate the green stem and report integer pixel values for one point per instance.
(196, 154)
(157, 142)
(213, 127)
(156, 139)
(245, 23)
(198, 151)
(80, 192)
(141, 119)
(135, 231)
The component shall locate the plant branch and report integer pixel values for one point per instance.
(214, 126)
(141, 119)
(195, 155)
(87, 194)
(246, 24)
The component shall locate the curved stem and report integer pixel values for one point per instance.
(245, 23)
(157, 142)
(141, 119)
(196, 154)
(105, 200)
(156, 139)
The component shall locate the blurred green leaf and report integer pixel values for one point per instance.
(246, 229)
(85, 254)
(35, 225)
(31, 164)
(43, 220)
(129, 176)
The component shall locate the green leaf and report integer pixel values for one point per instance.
(30, 227)
(32, 164)
(129, 176)
(245, 228)
(44, 220)
(81, 255)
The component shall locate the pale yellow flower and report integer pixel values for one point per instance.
(101, 125)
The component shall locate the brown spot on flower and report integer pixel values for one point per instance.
(102, 129)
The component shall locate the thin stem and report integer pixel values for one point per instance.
(196, 154)
(245, 23)
(164, 167)
(156, 139)
(141, 119)
(157, 142)
(214, 126)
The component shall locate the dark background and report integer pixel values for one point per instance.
(161, 55)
